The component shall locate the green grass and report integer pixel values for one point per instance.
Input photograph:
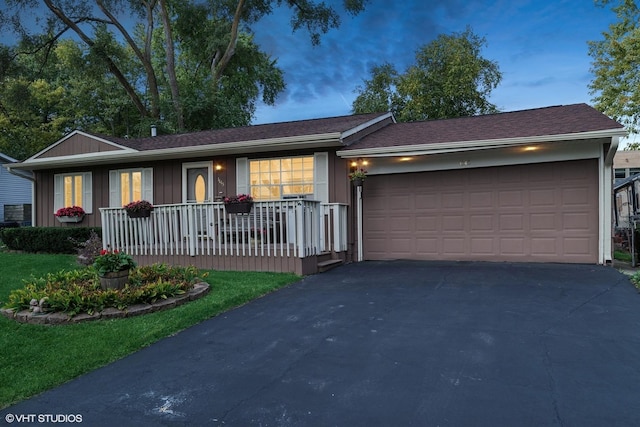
(34, 358)
(622, 255)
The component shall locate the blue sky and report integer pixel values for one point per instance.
(540, 46)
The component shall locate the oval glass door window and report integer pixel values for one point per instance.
(200, 189)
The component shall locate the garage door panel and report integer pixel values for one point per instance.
(480, 200)
(453, 223)
(575, 196)
(510, 199)
(511, 222)
(542, 212)
(400, 202)
(545, 197)
(454, 245)
(578, 221)
(427, 246)
(402, 223)
(427, 201)
(427, 223)
(512, 246)
(482, 245)
(543, 222)
(543, 245)
(482, 222)
(576, 246)
(452, 200)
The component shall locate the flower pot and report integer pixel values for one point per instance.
(70, 218)
(114, 279)
(358, 182)
(146, 213)
(239, 208)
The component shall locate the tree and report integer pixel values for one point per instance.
(615, 66)
(216, 27)
(449, 79)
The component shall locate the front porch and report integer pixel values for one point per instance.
(280, 236)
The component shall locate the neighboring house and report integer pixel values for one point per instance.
(626, 163)
(15, 189)
(530, 186)
(626, 194)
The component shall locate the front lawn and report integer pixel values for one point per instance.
(34, 358)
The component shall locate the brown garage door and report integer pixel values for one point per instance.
(541, 212)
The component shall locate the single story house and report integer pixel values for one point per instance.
(16, 193)
(527, 186)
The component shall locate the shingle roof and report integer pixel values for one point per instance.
(557, 120)
(248, 133)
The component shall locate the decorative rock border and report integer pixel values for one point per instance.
(27, 316)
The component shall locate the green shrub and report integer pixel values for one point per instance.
(56, 240)
(635, 279)
(79, 291)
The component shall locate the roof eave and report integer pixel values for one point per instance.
(456, 146)
(228, 148)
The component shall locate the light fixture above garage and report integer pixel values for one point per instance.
(406, 159)
(530, 148)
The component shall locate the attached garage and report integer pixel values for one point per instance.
(537, 212)
(524, 186)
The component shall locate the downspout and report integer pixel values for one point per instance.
(359, 221)
(605, 248)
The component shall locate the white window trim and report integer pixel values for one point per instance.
(320, 174)
(115, 198)
(87, 190)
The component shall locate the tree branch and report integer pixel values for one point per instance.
(218, 69)
(113, 68)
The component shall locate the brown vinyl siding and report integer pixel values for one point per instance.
(78, 144)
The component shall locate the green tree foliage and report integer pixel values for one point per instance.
(615, 65)
(450, 78)
(117, 66)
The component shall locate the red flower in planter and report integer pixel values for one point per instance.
(70, 211)
(240, 198)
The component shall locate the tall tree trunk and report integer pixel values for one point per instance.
(144, 57)
(171, 66)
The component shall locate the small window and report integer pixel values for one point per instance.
(620, 173)
(129, 185)
(73, 189)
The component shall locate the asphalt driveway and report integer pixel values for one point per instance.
(388, 344)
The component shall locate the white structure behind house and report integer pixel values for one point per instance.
(626, 163)
(14, 189)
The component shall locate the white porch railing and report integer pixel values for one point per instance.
(297, 228)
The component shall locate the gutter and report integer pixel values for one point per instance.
(608, 160)
(449, 147)
(20, 173)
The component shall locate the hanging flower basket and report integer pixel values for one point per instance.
(138, 209)
(146, 213)
(357, 176)
(240, 204)
(239, 208)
